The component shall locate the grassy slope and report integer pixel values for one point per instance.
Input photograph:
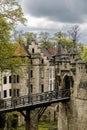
(44, 126)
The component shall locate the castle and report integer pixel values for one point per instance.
(53, 69)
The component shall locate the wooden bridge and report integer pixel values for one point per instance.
(30, 102)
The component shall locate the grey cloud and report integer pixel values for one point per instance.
(69, 11)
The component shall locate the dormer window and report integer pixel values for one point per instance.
(33, 50)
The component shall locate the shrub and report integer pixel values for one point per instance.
(2, 115)
(14, 121)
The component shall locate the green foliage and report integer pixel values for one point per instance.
(84, 54)
(4, 31)
(44, 39)
(43, 128)
(30, 36)
(14, 121)
(25, 38)
(48, 125)
(12, 11)
(60, 35)
(9, 60)
(2, 116)
(10, 14)
(6, 52)
(2, 120)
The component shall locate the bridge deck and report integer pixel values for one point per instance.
(34, 101)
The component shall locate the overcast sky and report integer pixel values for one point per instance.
(55, 15)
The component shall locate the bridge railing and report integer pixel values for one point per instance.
(35, 98)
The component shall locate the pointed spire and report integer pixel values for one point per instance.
(28, 42)
(65, 48)
(74, 47)
(59, 49)
(59, 52)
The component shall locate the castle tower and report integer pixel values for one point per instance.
(71, 73)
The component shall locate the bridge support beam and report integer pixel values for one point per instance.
(27, 120)
(31, 122)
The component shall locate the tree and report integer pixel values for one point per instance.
(44, 40)
(6, 48)
(57, 36)
(84, 54)
(4, 31)
(10, 14)
(30, 36)
(74, 33)
(12, 11)
(61, 37)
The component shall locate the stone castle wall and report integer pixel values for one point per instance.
(73, 114)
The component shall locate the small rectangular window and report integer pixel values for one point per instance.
(32, 50)
(10, 92)
(5, 93)
(42, 88)
(31, 88)
(42, 61)
(18, 92)
(4, 80)
(10, 79)
(50, 85)
(18, 80)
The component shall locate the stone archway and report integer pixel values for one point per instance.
(66, 82)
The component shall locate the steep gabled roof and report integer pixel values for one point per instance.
(46, 52)
(21, 51)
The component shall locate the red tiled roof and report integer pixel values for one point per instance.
(52, 51)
